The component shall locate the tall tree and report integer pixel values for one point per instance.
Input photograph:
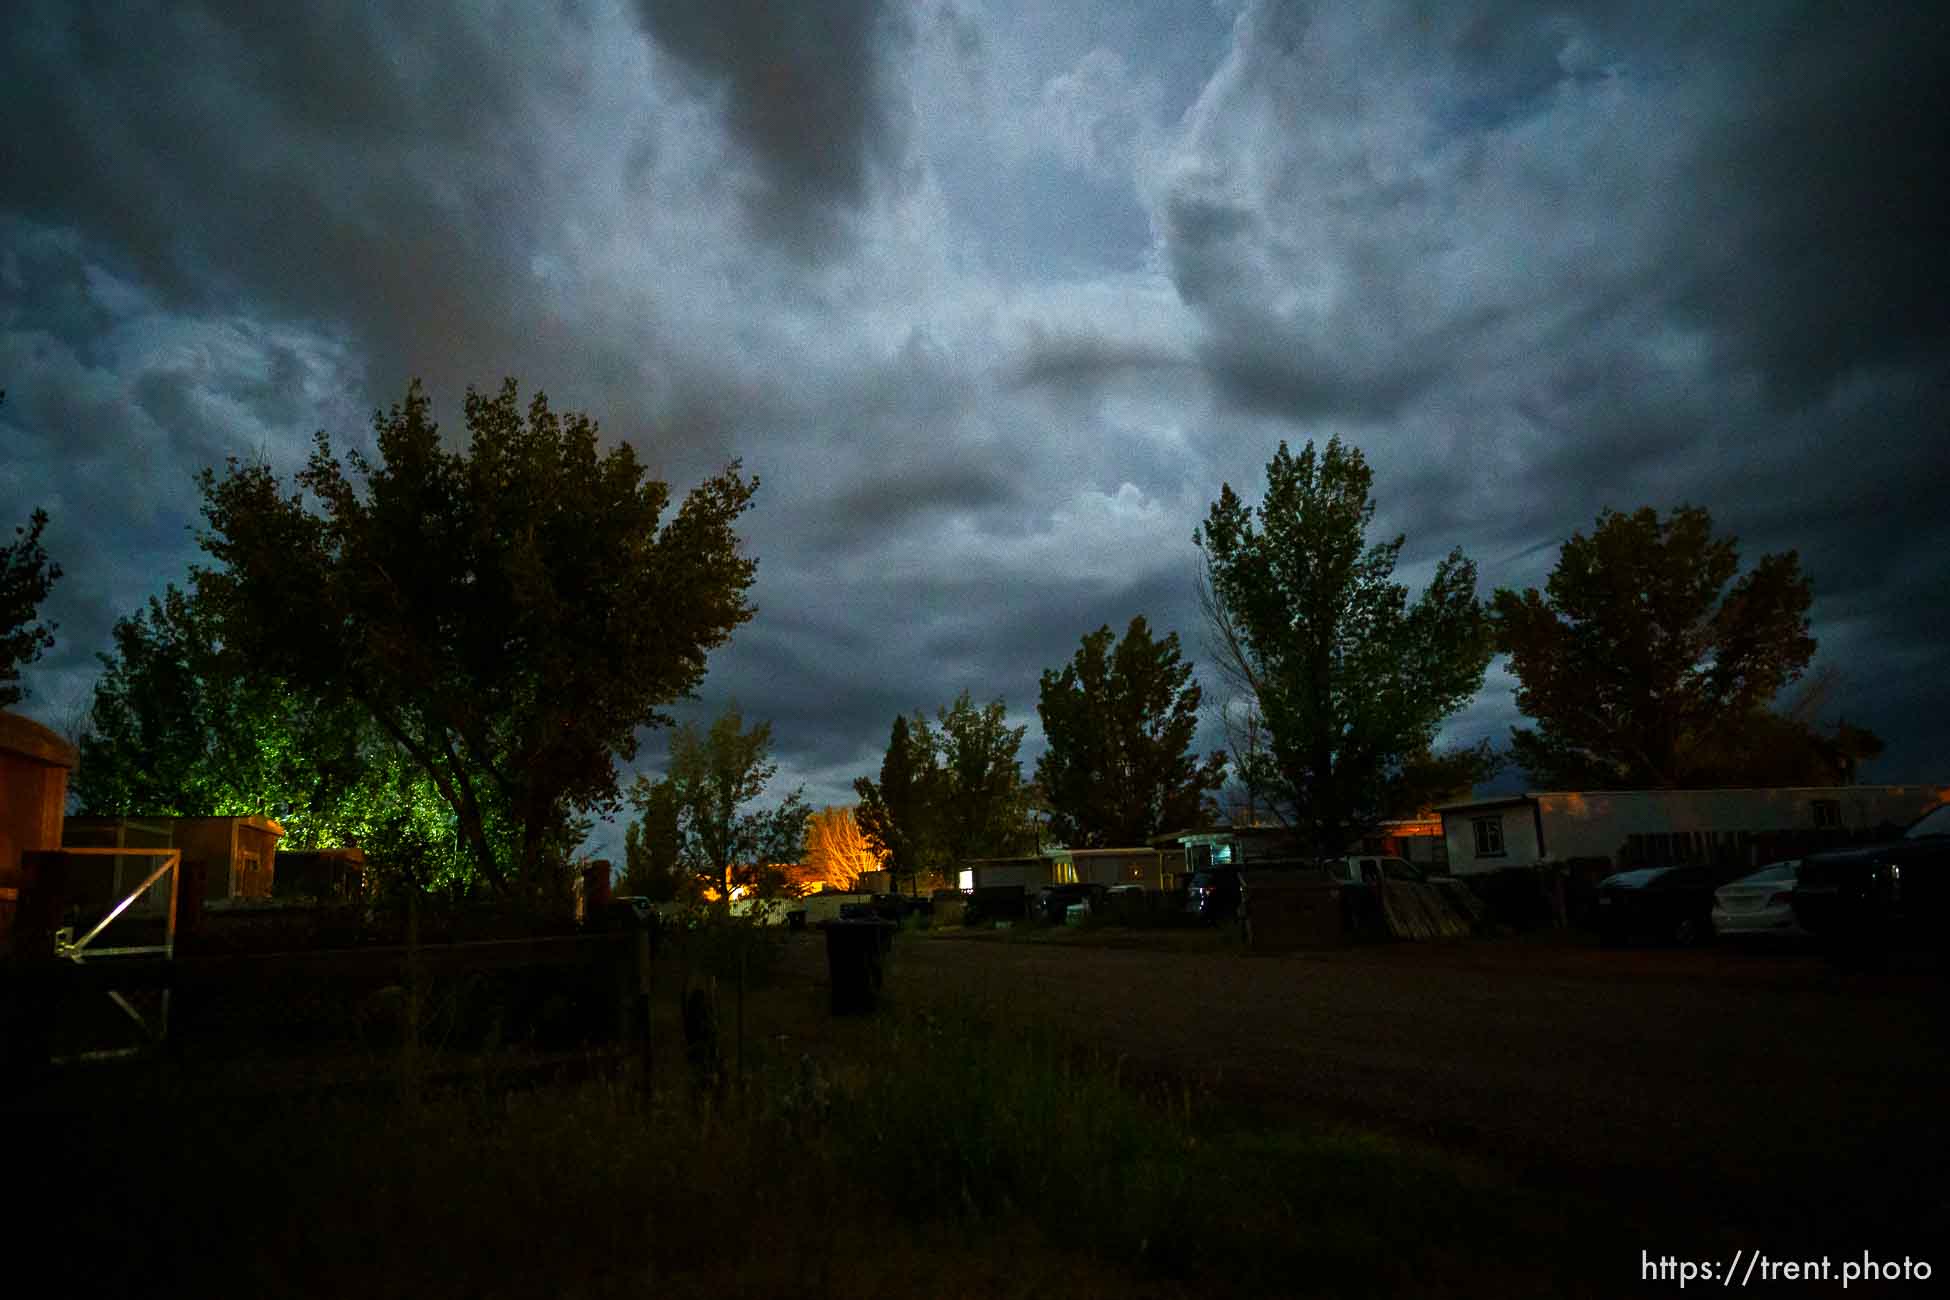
(509, 615)
(1350, 681)
(896, 815)
(26, 577)
(837, 853)
(1640, 664)
(1120, 724)
(711, 777)
(981, 806)
(653, 865)
(949, 791)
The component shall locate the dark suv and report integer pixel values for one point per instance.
(1212, 895)
(1861, 903)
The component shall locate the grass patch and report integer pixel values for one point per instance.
(944, 1150)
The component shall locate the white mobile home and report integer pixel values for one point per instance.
(1136, 866)
(1034, 873)
(1658, 827)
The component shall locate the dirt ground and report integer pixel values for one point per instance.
(1750, 1090)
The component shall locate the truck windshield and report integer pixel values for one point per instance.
(1934, 822)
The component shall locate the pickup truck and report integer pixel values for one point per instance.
(1863, 903)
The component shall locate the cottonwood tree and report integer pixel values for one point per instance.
(1349, 681)
(710, 778)
(26, 578)
(508, 614)
(1645, 662)
(1120, 722)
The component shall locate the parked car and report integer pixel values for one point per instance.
(1759, 904)
(1863, 902)
(1667, 903)
(1213, 894)
(1054, 903)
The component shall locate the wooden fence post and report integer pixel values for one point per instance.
(645, 1055)
(410, 1039)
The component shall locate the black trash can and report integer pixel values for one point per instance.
(855, 956)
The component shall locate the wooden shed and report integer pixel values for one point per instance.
(325, 875)
(238, 854)
(107, 880)
(34, 767)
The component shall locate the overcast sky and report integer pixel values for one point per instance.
(994, 296)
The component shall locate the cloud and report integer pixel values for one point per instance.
(804, 94)
(994, 295)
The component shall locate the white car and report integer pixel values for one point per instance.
(1759, 903)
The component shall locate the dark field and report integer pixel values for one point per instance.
(1758, 1096)
(1089, 1112)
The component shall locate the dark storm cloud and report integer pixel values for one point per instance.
(831, 675)
(805, 94)
(1789, 203)
(45, 282)
(362, 168)
(1544, 262)
(1811, 235)
(994, 296)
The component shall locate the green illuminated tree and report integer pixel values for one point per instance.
(26, 577)
(1350, 681)
(180, 726)
(1642, 666)
(508, 614)
(1120, 724)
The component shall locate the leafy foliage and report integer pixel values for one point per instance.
(897, 815)
(837, 852)
(1641, 665)
(1349, 681)
(180, 726)
(26, 577)
(982, 808)
(652, 867)
(508, 615)
(1120, 724)
(948, 792)
(710, 778)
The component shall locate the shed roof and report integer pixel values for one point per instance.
(22, 735)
